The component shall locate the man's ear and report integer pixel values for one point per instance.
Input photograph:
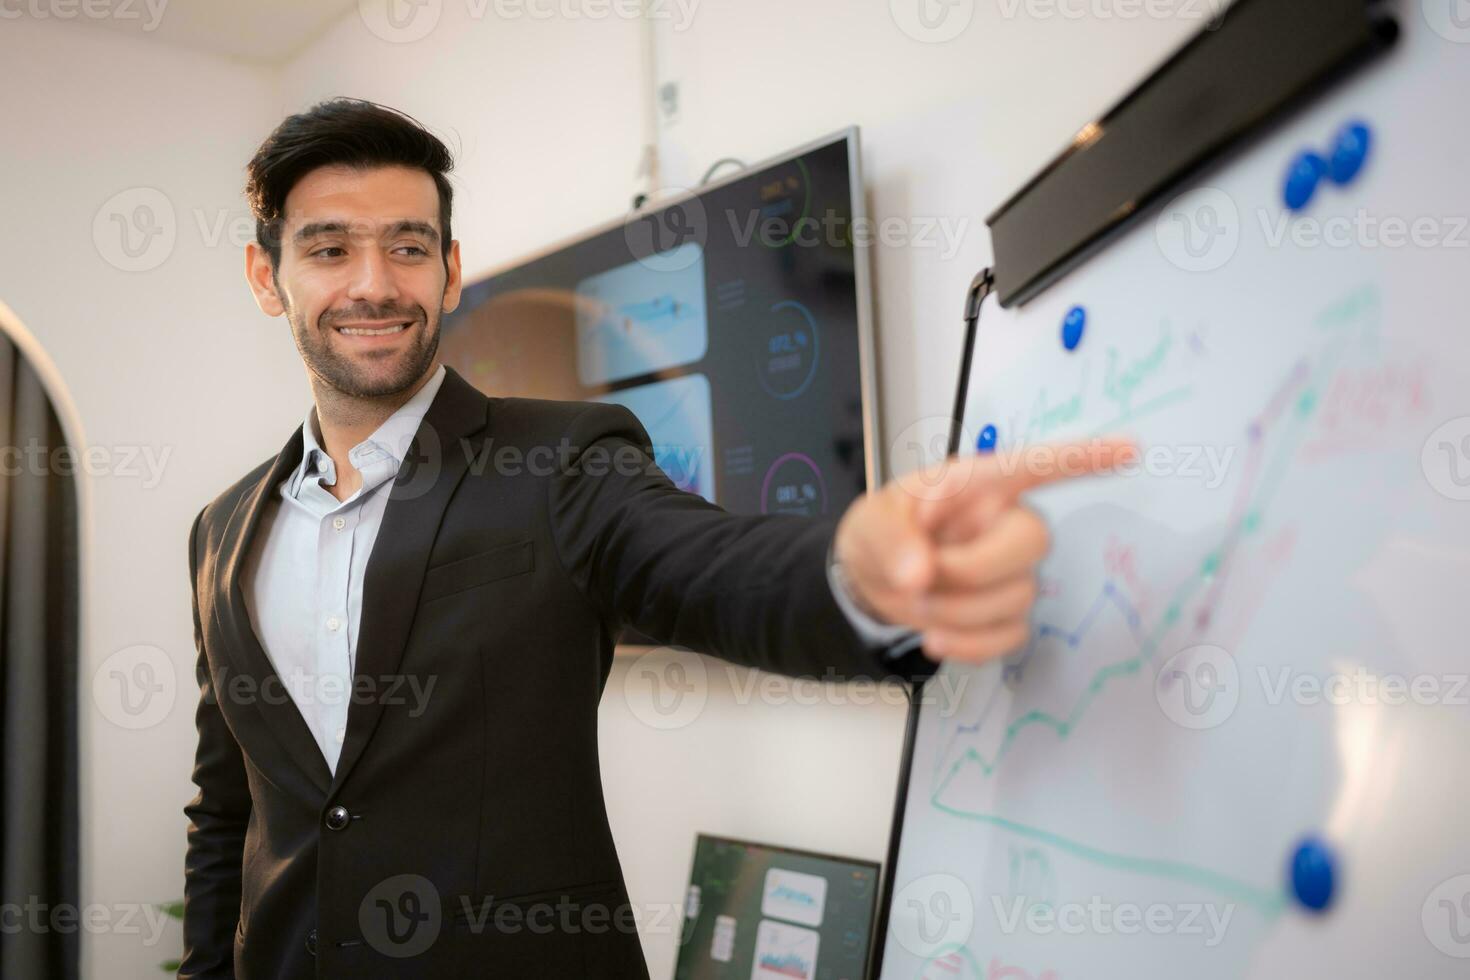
(260, 276)
(452, 281)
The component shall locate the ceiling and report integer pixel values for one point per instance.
(267, 31)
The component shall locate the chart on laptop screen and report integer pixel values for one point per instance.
(755, 912)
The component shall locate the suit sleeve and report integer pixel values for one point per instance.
(749, 589)
(218, 816)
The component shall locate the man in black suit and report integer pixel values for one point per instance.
(441, 813)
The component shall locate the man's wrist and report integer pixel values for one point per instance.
(873, 630)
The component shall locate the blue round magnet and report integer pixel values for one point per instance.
(1313, 874)
(1306, 172)
(1349, 152)
(1072, 326)
(986, 442)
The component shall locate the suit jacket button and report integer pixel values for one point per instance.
(338, 818)
(311, 942)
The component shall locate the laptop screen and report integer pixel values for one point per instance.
(756, 912)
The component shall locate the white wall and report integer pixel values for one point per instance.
(172, 360)
(545, 117)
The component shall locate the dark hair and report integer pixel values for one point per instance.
(345, 132)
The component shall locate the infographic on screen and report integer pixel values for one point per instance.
(1232, 746)
(642, 317)
(679, 411)
(729, 323)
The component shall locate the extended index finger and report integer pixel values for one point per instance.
(1036, 466)
(980, 486)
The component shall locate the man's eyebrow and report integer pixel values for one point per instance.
(415, 228)
(313, 229)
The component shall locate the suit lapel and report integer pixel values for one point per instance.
(282, 717)
(435, 464)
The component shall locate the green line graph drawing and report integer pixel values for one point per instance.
(1297, 399)
(1269, 902)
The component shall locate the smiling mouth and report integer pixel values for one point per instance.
(383, 331)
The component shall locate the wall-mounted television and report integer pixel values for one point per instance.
(735, 321)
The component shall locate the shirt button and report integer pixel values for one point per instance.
(334, 624)
(341, 734)
(339, 523)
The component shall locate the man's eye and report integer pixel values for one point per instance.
(322, 253)
(413, 249)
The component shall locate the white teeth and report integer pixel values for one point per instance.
(365, 332)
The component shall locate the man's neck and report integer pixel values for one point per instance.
(346, 420)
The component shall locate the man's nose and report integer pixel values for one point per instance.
(372, 277)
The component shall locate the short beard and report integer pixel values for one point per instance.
(347, 377)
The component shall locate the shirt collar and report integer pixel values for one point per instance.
(389, 441)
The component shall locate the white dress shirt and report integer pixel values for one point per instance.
(304, 574)
(303, 578)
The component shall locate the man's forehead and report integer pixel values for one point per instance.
(305, 226)
(376, 199)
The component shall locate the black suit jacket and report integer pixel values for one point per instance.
(464, 833)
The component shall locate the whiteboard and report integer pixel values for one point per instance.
(1259, 638)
